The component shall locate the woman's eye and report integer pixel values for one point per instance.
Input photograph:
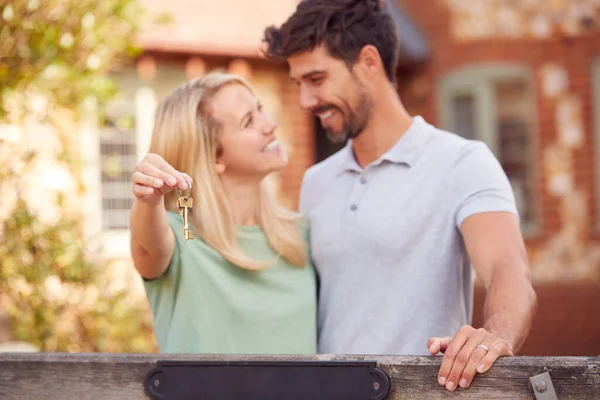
(249, 123)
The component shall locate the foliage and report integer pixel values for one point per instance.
(59, 300)
(55, 55)
(64, 48)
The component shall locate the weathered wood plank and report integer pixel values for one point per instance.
(121, 376)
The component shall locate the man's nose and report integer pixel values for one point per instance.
(307, 100)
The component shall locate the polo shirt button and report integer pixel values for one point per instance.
(363, 180)
(353, 207)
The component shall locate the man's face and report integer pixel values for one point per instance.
(332, 92)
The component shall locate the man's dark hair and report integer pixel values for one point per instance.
(345, 26)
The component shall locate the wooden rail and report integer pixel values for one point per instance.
(38, 376)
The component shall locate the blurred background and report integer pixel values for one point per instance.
(80, 80)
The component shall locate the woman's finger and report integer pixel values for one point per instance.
(142, 190)
(140, 178)
(153, 171)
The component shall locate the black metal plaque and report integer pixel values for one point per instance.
(265, 380)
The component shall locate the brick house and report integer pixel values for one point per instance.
(525, 79)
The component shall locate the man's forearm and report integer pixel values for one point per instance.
(509, 307)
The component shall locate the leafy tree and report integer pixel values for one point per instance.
(56, 56)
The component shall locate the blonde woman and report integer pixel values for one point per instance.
(245, 283)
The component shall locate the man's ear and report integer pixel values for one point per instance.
(370, 60)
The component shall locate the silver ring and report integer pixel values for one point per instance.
(483, 346)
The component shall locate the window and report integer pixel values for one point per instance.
(113, 141)
(596, 113)
(118, 156)
(495, 104)
(463, 109)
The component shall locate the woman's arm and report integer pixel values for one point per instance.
(152, 241)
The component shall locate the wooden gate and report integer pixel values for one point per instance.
(99, 376)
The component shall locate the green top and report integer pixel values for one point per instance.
(205, 304)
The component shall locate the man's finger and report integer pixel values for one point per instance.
(463, 357)
(436, 344)
(456, 344)
(433, 345)
(498, 349)
(476, 356)
(444, 343)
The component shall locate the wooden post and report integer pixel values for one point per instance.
(122, 376)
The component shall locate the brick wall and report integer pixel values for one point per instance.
(303, 142)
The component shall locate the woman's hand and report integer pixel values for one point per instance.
(153, 177)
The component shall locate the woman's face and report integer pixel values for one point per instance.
(249, 147)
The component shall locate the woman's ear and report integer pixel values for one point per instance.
(220, 167)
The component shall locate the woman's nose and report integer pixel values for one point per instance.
(269, 125)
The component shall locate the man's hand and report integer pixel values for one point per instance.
(466, 354)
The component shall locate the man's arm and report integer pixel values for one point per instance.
(495, 247)
(486, 214)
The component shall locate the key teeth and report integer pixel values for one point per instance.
(189, 235)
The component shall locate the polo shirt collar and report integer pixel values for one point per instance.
(406, 150)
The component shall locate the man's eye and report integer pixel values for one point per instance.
(316, 80)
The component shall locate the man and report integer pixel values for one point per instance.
(397, 214)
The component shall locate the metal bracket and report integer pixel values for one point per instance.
(266, 380)
(543, 387)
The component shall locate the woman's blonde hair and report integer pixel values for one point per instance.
(187, 136)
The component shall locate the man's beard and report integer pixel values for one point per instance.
(355, 120)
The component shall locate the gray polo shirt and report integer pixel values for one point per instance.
(386, 242)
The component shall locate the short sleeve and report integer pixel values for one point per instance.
(480, 184)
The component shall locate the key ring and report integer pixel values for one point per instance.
(188, 190)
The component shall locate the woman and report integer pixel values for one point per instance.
(244, 284)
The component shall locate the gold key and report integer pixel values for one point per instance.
(185, 203)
